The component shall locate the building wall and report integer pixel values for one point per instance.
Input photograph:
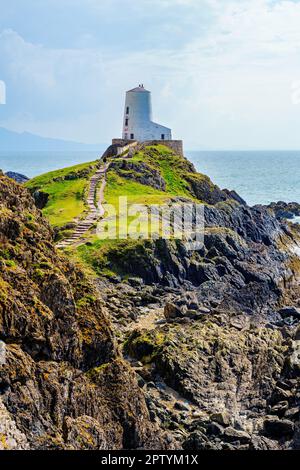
(138, 124)
(175, 145)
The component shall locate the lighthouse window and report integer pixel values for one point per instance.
(163, 137)
(127, 110)
(126, 122)
(131, 136)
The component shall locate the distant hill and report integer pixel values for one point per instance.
(14, 141)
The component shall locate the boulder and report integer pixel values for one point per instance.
(221, 417)
(232, 435)
(278, 428)
(290, 312)
(196, 441)
(171, 311)
(18, 177)
(262, 443)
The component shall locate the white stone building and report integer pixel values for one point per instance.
(138, 124)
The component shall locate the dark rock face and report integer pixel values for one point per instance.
(41, 198)
(211, 336)
(285, 210)
(204, 190)
(17, 177)
(63, 383)
(227, 338)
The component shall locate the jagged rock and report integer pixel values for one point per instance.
(215, 429)
(290, 312)
(280, 408)
(171, 311)
(63, 382)
(234, 195)
(84, 432)
(196, 441)
(222, 418)
(41, 198)
(11, 438)
(231, 435)
(262, 443)
(64, 372)
(135, 281)
(179, 405)
(284, 210)
(18, 177)
(277, 428)
(279, 395)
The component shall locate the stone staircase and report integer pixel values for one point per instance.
(95, 209)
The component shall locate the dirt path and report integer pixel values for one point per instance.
(96, 210)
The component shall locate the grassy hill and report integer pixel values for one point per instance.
(153, 175)
(65, 190)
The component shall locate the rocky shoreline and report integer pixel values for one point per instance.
(189, 350)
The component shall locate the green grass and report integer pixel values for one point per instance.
(112, 257)
(66, 196)
(66, 201)
(115, 256)
(47, 178)
(171, 167)
(136, 193)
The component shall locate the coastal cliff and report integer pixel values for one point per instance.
(147, 344)
(63, 382)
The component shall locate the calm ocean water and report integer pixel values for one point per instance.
(259, 177)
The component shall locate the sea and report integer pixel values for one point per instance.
(260, 177)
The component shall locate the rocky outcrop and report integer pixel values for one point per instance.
(285, 210)
(139, 172)
(17, 177)
(213, 333)
(63, 383)
(210, 336)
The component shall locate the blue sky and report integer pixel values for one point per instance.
(225, 74)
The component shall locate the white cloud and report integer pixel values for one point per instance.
(228, 85)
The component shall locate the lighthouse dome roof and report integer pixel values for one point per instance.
(139, 89)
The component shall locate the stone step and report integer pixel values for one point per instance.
(94, 212)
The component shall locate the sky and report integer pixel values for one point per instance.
(224, 74)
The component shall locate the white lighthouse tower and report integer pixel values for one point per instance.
(138, 124)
